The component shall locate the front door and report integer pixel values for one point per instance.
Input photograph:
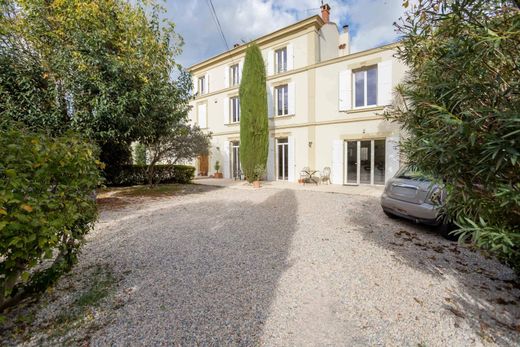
(365, 162)
(235, 159)
(203, 165)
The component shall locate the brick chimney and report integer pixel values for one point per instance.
(325, 12)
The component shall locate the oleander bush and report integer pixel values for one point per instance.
(130, 175)
(47, 206)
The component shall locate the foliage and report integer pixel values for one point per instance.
(460, 105)
(258, 173)
(254, 128)
(130, 175)
(178, 144)
(140, 154)
(46, 207)
(102, 68)
(217, 166)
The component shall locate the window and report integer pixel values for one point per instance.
(365, 87)
(234, 109)
(282, 100)
(202, 116)
(202, 85)
(233, 75)
(282, 166)
(280, 60)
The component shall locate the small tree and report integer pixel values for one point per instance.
(183, 143)
(254, 128)
(460, 106)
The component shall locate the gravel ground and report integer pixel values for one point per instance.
(279, 267)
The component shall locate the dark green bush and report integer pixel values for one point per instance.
(130, 175)
(46, 208)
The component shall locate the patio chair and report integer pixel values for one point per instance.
(237, 173)
(325, 175)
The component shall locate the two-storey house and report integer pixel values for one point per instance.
(325, 105)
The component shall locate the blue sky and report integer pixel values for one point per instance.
(370, 22)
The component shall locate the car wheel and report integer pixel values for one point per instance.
(445, 230)
(389, 214)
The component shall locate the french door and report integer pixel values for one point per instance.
(235, 158)
(282, 159)
(365, 162)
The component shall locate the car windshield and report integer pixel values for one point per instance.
(411, 173)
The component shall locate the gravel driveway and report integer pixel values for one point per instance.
(292, 268)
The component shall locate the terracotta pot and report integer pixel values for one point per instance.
(256, 184)
(300, 180)
(219, 175)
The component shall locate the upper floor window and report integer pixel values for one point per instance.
(234, 109)
(282, 100)
(365, 87)
(280, 60)
(233, 74)
(202, 85)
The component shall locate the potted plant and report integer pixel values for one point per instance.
(258, 174)
(218, 174)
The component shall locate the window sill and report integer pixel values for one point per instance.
(283, 116)
(232, 124)
(364, 109)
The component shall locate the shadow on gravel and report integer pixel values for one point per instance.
(489, 299)
(210, 274)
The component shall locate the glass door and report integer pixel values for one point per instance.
(235, 159)
(365, 162)
(282, 154)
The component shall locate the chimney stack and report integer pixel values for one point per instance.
(325, 12)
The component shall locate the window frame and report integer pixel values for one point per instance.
(277, 64)
(232, 116)
(201, 86)
(234, 78)
(364, 70)
(285, 100)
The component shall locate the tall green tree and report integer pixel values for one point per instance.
(254, 128)
(460, 105)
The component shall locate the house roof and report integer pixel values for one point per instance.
(315, 21)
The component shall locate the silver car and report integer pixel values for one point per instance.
(412, 195)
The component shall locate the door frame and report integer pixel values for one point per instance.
(285, 156)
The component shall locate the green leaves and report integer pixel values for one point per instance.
(461, 110)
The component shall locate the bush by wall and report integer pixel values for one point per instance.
(46, 208)
(130, 175)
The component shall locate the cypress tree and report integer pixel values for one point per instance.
(254, 128)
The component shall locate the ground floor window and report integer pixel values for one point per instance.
(282, 158)
(365, 162)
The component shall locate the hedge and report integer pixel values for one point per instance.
(46, 208)
(130, 175)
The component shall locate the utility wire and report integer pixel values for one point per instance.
(217, 22)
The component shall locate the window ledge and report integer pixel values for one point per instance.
(232, 124)
(283, 116)
(364, 109)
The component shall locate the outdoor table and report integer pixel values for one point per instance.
(312, 178)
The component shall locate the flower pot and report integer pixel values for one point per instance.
(219, 175)
(300, 180)
(256, 184)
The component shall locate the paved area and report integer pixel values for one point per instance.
(286, 267)
(366, 190)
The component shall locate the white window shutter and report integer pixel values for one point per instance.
(270, 160)
(195, 85)
(270, 62)
(290, 57)
(206, 84)
(291, 161)
(202, 116)
(226, 76)
(270, 102)
(226, 110)
(291, 97)
(384, 83)
(336, 176)
(345, 90)
(391, 157)
(225, 160)
(240, 68)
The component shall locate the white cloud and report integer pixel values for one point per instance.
(370, 22)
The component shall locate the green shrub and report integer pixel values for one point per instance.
(46, 208)
(130, 175)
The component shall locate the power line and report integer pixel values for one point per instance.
(217, 22)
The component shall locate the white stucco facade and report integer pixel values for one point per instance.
(315, 116)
